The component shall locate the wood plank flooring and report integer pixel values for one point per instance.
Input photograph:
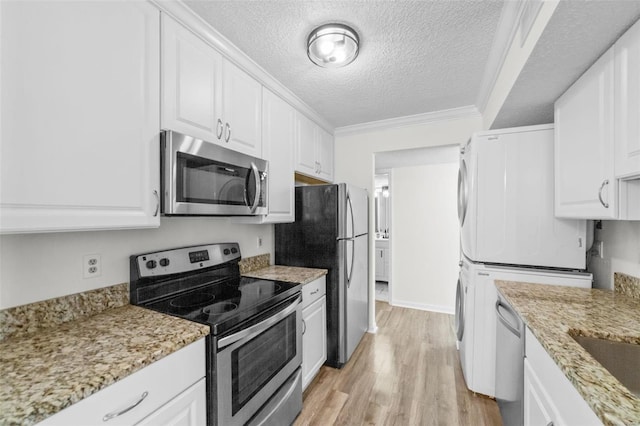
(407, 374)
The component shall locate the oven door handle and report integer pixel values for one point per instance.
(254, 330)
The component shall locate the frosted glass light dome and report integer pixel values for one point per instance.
(332, 45)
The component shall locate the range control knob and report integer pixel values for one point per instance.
(226, 252)
(234, 250)
(164, 262)
(151, 264)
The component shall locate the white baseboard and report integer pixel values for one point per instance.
(373, 330)
(423, 307)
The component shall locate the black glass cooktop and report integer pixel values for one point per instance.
(227, 303)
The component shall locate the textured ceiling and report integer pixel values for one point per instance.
(415, 57)
(577, 34)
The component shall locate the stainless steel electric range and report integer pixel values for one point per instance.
(254, 351)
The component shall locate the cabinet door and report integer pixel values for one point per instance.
(278, 147)
(80, 116)
(305, 146)
(191, 83)
(380, 265)
(242, 111)
(627, 103)
(538, 407)
(314, 339)
(325, 155)
(585, 186)
(187, 409)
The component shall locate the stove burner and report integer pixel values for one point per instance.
(192, 300)
(220, 308)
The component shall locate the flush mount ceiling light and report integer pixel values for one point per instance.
(332, 45)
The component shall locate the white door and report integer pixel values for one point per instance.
(305, 145)
(324, 154)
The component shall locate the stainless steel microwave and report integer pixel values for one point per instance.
(201, 178)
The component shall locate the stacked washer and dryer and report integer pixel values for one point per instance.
(508, 232)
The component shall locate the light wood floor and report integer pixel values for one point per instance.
(406, 374)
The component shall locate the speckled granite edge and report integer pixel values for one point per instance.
(25, 319)
(292, 274)
(253, 263)
(554, 314)
(626, 284)
(43, 373)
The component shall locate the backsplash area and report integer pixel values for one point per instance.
(30, 318)
(621, 241)
(627, 285)
(38, 267)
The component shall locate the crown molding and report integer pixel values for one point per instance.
(505, 34)
(410, 120)
(187, 17)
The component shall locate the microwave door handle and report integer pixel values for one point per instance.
(256, 176)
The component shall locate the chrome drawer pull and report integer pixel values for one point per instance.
(315, 291)
(115, 414)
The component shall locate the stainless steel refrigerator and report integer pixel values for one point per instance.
(330, 232)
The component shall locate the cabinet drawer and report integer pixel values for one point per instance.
(161, 381)
(313, 291)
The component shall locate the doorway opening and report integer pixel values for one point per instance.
(383, 235)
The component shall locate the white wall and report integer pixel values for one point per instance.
(425, 243)
(621, 252)
(42, 266)
(355, 164)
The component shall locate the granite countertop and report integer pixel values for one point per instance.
(552, 312)
(46, 371)
(292, 274)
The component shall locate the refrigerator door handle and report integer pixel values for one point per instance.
(353, 255)
(353, 222)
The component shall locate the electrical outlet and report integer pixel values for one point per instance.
(91, 265)
(260, 241)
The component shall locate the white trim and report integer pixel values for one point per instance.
(502, 41)
(187, 17)
(423, 307)
(469, 111)
(373, 330)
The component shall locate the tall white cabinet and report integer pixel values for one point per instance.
(314, 150)
(80, 98)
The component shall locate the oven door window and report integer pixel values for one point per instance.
(257, 361)
(201, 180)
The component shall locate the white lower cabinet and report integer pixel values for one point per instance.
(187, 409)
(170, 391)
(549, 397)
(314, 338)
(79, 143)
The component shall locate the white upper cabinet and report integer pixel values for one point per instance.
(191, 83)
(597, 146)
(627, 104)
(314, 149)
(585, 184)
(325, 155)
(242, 110)
(278, 135)
(278, 144)
(79, 146)
(206, 96)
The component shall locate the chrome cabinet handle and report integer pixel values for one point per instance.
(315, 291)
(550, 423)
(304, 327)
(227, 132)
(319, 167)
(604, 183)
(219, 129)
(155, 192)
(115, 414)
